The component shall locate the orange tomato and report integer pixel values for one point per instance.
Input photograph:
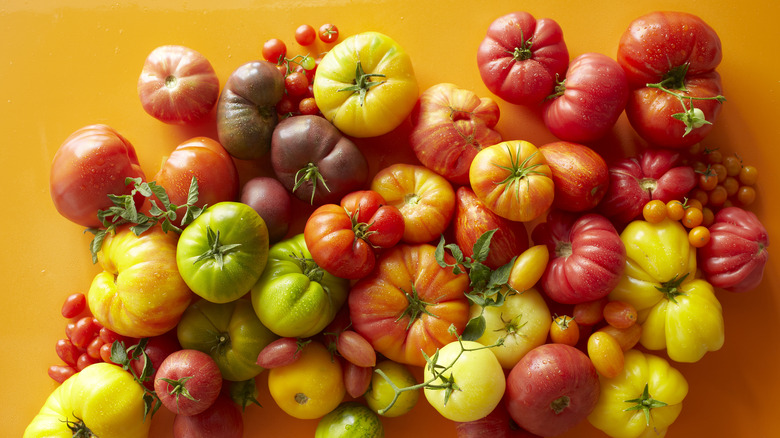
(654, 211)
(620, 314)
(564, 330)
(606, 354)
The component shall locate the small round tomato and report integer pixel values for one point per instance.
(565, 330)
(350, 420)
(274, 50)
(620, 314)
(693, 217)
(606, 354)
(188, 382)
(627, 338)
(380, 393)
(675, 210)
(654, 211)
(328, 33)
(477, 380)
(305, 35)
(73, 305)
(311, 386)
(513, 179)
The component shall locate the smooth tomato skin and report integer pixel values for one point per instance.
(473, 218)
(223, 419)
(204, 381)
(383, 224)
(449, 126)
(271, 200)
(537, 384)
(587, 256)
(380, 393)
(580, 175)
(246, 109)
(177, 85)
(350, 419)
(140, 292)
(512, 179)
(735, 257)
(426, 199)
(91, 164)
(300, 142)
(205, 159)
(653, 174)
(377, 300)
(595, 94)
(530, 77)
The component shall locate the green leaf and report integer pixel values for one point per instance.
(477, 299)
(481, 247)
(119, 355)
(190, 214)
(141, 227)
(192, 193)
(475, 328)
(500, 277)
(160, 193)
(439, 253)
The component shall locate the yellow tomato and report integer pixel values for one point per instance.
(528, 267)
(311, 386)
(380, 394)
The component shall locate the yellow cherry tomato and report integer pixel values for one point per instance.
(528, 268)
(380, 394)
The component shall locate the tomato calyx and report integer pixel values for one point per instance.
(523, 51)
(310, 269)
(79, 429)
(312, 174)
(216, 250)
(645, 402)
(563, 321)
(513, 325)
(518, 171)
(671, 288)
(362, 82)
(179, 388)
(244, 392)
(415, 309)
(559, 90)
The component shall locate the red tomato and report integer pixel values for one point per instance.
(60, 373)
(737, 252)
(188, 382)
(178, 85)
(271, 200)
(206, 160)
(407, 304)
(587, 103)
(328, 33)
(587, 257)
(274, 50)
(91, 164)
(157, 349)
(580, 175)
(68, 352)
(679, 52)
(279, 353)
(497, 424)
(355, 349)
(222, 419)
(520, 58)
(513, 179)
(84, 332)
(305, 35)
(73, 305)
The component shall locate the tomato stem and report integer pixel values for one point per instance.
(523, 51)
(671, 289)
(415, 309)
(560, 404)
(519, 171)
(645, 402)
(216, 250)
(310, 173)
(362, 82)
(79, 429)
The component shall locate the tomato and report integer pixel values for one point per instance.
(737, 252)
(497, 424)
(476, 378)
(296, 84)
(528, 268)
(67, 351)
(407, 304)
(671, 52)
(222, 419)
(580, 175)
(246, 110)
(206, 160)
(551, 389)
(230, 333)
(627, 338)
(588, 101)
(101, 400)
(380, 393)
(85, 329)
(140, 292)
(91, 164)
(188, 382)
(350, 420)
(274, 50)
(564, 330)
(61, 373)
(328, 33)
(156, 349)
(355, 348)
(426, 199)
(643, 400)
(222, 253)
(606, 354)
(271, 200)
(295, 297)
(449, 126)
(279, 353)
(365, 85)
(520, 57)
(73, 305)
(587, 256)
(654, 211)
(590, 312)
(177, 85)
(620, 314)
(310, 387)
(513, 179)
(305, 35)
(315, 162)
(522, 321)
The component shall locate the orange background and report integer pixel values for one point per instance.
(64, 67)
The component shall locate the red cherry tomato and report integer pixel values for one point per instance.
(74, 304)
(60, 373)
(274, 50)
(328, 33)
(305, 35)
(84, 331)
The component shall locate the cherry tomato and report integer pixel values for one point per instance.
(84, 331)
(564, 330)
(308, 106)
(308, 63)
(714, 155)
(699, 236)
(627, 337)
(60, 373)
(590, 312)
(74, 304)
(620, 314)
(748, 175)
(296, 84)
(733, 165)
(328, 33)
(718, 196)
(287, 105)
(720, 170)
(694, 203)
(731, 184)
(305, 35)
(353, 347)
(675, 210)
(605, 353)
(105, 353)
(274, 50)
(708, 216)
(708, 179)
(85, 360)
(693, 217)
(654, 211)
(66, 351)
(746, 195)
(702, 197)
(93, 349)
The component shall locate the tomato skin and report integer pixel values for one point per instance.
(203, 382)
(271, 200)
(565, 330)
(61, 373)
(512, 179)
(274, 50)
(594, 94)
(305, 35)
(223, 419)
(580, 175)
(606, 354)
(587, 256)
(380, 393)
(737, 252)
(377, 300)
(328, 33)
(449, 126)
(279, 353)
(73, 305)
(350, 420)
(91, 164)
(66, 351)
(520, 57)
(177, 85)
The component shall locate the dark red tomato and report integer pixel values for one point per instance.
(588, 102)
(271, 200)
(305, 35)
(296, 83)
(206, 160)
(497, 424)
(73, 305)
(678, 52)
(521, 56)
(178, 85)
(91, 164)
(328, 33)
(274, 50)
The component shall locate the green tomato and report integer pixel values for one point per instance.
(228, 332)
(350, 420)
(380, 393)
(477, 381)
(222, 253)
(294, 297)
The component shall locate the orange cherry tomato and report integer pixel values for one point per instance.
(590, 312)
(718, 196)
(693, 217)
(627, 337)
(654, 211)
(733, 165)
(699, 236)
(606, 354)
(675, 210)
(620, 314)
(748, 175)
(746, 195)
(564, 330)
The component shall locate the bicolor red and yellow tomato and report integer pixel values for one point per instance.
(580, 175)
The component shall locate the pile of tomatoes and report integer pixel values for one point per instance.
(536, 286)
